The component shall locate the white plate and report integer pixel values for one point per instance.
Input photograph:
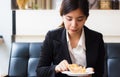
(77, 74)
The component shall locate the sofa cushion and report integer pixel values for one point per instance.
(24, 59)
(113, 59)
(34, 54)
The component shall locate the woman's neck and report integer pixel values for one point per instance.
(74, 39)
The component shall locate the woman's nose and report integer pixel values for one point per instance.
(74, 23)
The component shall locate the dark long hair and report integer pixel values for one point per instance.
(70, 5)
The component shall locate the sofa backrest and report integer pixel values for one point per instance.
(24, 59)
(113, 59)
(25, 56)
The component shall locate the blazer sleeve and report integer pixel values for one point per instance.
(44, 68)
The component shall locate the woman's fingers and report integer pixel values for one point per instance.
(62, 66)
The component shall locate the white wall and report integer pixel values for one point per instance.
(105, 21)
(5, 31)
(37, 22)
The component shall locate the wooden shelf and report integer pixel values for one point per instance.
(53, 4)
(33, 4)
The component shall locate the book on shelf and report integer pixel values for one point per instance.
(32, 4)
(115, 4)
(105, 4)
(43, 4)
(48, 4)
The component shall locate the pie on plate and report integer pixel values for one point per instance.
(76, 70)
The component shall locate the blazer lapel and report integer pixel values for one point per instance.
(61, 48)
(65, 46)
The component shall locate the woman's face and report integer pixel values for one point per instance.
(74, 21)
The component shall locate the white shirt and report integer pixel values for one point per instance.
(78, 54)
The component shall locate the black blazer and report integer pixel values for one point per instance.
(55, 49)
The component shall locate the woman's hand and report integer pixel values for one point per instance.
(62, 66)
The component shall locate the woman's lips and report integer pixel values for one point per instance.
(73, 30)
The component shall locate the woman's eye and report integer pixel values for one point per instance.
(69, 19)
(80, 19)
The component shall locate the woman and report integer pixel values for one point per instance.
(73, 42)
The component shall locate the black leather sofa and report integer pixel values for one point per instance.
(25, 56)
(24, 59)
